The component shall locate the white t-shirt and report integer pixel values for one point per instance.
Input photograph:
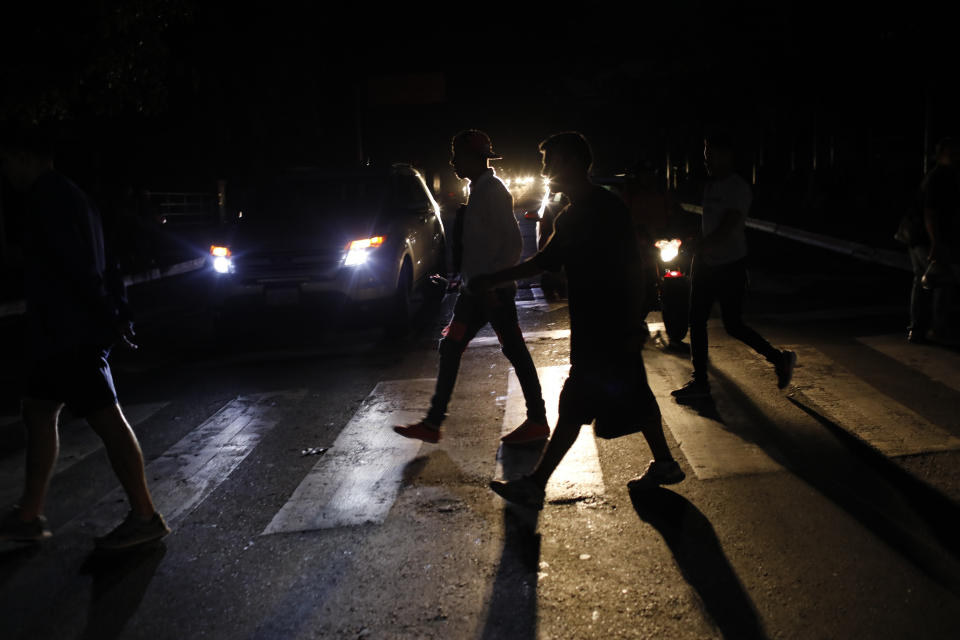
(720, 196)
(491, 235)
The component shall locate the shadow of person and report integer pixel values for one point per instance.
(701, 560)
(512, 611)
(119, 582)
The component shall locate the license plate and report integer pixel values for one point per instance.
(282, 296)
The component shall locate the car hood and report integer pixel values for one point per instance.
(299, 235)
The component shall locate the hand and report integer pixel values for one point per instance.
(127, 336)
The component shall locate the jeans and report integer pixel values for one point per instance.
(727, 285)
(470, 314)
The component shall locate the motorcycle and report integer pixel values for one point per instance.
(674, 257)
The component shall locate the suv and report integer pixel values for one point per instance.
(367, 238)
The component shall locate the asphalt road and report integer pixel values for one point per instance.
(826, 511)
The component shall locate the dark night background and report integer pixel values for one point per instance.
(835, 109)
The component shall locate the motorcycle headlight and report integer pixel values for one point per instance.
(222, 262)
(669, 249)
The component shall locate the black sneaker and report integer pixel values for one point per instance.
(784, 368)
(13, 529)
(132, 532)
(693, 389)
(524, 492)
(658, 473)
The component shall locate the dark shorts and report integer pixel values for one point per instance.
(81, 379)
(617, 392)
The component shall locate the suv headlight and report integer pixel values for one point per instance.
(358, 251)
(222, 262)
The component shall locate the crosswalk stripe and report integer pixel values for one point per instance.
(531, 336)
(77, 441)
(579, 475)
(188, 472)
(540, 302)
(933, 361)
(358, 479)
(879, 421)
(713, 448)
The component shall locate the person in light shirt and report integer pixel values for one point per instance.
(720, 270)
(486, 238)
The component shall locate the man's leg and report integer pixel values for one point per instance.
(125, 455)
(503, 318)
(921, 304)
(40, 417)
(701, 301)
(468, 318)
(731, 285)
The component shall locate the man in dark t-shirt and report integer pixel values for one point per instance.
(76, 312)
(595, 243)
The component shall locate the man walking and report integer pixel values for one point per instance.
(76, 312)
(490, 241)
(720, 270)
(594, 241)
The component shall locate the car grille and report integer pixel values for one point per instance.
(287, 266)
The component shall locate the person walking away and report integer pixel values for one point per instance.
(595, 243)
(76, 312)
(488, 239)
(719, 270)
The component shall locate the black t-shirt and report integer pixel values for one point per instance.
(594, 240)
(74, 296)
(940, 191)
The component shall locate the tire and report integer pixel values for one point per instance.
(675, 309)
(400, 308)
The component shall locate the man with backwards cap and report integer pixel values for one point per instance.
(490, 240)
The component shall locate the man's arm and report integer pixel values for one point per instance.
(483, 283)
(931, 220)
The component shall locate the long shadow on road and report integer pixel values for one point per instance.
(702, 562)
(512, 611)
(916, 520)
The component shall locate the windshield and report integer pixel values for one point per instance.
(310, 198)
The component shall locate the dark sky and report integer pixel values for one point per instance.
(188, 87)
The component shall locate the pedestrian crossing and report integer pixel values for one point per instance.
(358, 480)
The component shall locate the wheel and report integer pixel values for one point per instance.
(675, 308)
(400, 309)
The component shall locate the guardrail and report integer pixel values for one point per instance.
(17, 307)
(894, 259)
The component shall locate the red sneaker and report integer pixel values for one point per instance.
(528, 431)
(422, 430)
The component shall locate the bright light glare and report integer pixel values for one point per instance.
(358, 251)
(220, 252)
(546, 199)
(669, 249)
(221, 264)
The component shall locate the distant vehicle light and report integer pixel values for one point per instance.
(220, 252)
(358, 251)
(669, 249)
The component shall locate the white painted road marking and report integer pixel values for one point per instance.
(528, 336)
(879, 421)
(540, 302)
(579, 475)
(933, 361)
(77, 441)
(358, 479)
(713, 449)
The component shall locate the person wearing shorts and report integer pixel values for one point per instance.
(75, 312)
(594, 242)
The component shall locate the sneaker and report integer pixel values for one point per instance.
(423, 430)
(13, 529)
(693, 389)
(524, 492)
(657, 473)
(528, 431)
(784, 368)
(132, 532)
